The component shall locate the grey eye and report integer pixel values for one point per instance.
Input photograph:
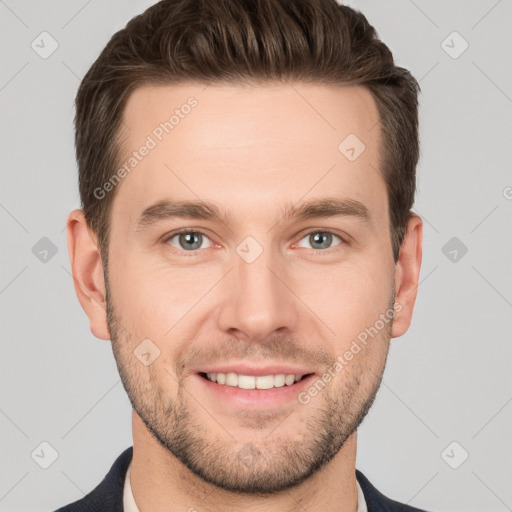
(319, 240)
(189, 241)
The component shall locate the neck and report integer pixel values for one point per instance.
(159, 480)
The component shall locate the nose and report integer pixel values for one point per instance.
(257, 299)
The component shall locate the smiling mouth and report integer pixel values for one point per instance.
(260, 382)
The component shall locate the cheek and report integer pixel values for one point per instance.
(349, 296)
(154, 297)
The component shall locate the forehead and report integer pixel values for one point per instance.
(249, 146)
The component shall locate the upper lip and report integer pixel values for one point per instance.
(269, 369)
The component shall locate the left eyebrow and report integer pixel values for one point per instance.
(327, 208)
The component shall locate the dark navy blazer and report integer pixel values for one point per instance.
(108, 495)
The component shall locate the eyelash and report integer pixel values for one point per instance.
(168, 237)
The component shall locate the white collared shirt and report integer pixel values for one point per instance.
(131, 506)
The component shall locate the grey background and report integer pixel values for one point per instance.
(448, 379)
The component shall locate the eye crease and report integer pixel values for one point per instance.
(193, 240)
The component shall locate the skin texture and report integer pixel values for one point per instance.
(250, 150)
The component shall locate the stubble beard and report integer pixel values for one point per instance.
(263, 467)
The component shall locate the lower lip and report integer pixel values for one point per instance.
(259, 398)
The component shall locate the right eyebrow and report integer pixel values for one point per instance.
(166, 209)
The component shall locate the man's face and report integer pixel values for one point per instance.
(258, 291)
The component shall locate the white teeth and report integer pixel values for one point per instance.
(252, 382)
(279, 380)
(231, 379)
(246, 382)
(265, 382)
(289, 380)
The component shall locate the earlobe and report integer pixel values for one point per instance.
(407, 276)
(87, 271)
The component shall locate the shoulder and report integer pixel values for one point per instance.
(108, 494)
(377, 502)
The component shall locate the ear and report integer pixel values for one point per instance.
(407, 274)
(87, 271)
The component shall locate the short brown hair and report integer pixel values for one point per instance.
(216, 41)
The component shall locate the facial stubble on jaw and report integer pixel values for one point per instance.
(242, 467)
